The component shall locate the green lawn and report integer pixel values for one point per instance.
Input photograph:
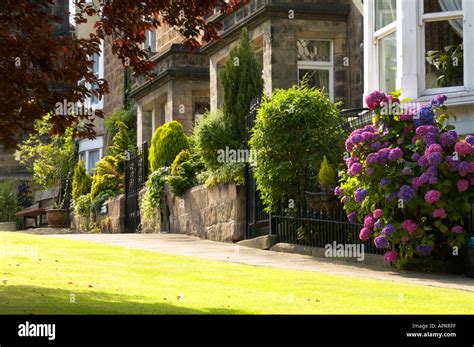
(112, 279)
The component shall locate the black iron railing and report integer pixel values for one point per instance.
(319, 227)
(355, 118)
(136, 174)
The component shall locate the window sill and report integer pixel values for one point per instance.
(454, 98)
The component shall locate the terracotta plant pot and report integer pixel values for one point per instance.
(56, 218)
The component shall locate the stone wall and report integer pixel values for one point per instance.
(111, 222)
(216, 213)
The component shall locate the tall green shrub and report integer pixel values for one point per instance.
(294, 129)
(168, 140)
(120, 143)
(81, 181)
(184, 171)
(242, 82)
(212, 133)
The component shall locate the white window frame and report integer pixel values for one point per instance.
(88, 102)
(86, 146)
(410, 51)
(320, 65)
(430, 18)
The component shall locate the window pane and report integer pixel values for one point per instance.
(314, 50)
(388, 62)
(314, 78)
(444, 54)
(94, 157)
(431, 6)
(385, 12)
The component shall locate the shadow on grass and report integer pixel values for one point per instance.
(41, 300)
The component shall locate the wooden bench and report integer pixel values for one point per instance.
(32, 212)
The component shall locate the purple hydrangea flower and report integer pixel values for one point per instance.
(352, 217)
(385, 180)
(435, 158)
(391, 196)
(438, 100)
(448, 139)
(355, 169)
(378, 224)
(415, 157)
(406, 193)
(463, 168)
(457, 229)
(338, 191)
(380, 242)
(360, 195)
(395, 154)
(372, 158)
(424, 116)
(407, 171)
(369, 171)
(389, 230)
(424, 250)
(470, 139)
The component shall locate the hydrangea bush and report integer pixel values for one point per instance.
(409, 179)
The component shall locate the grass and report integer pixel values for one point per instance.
(79, 277)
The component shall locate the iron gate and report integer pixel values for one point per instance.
(257, 220)
(136, 174)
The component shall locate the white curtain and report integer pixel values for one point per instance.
(453, 5)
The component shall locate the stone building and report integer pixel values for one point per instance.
(319, 41)
(180, 90)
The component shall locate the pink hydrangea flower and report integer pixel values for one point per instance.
(364, 234)
(463, 185)
(471, 168)
(463, 148)
(390, 256)
(432, 196)
(439, 213)
(457, 229)
(374, 99)
(405, 238)
(409, 226)
(377, 213)
(368, 221)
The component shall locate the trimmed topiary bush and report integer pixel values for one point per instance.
(81, 181)
(168, 140)
(326, 175)
(293, 131)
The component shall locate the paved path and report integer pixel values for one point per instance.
(191, 246)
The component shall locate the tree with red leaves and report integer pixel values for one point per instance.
(38, 69)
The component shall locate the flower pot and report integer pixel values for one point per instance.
(56, 218)
(7, 226)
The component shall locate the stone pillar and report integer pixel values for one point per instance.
(144, 125)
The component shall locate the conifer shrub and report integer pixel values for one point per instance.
(81, 181)
(326, 175)
(168, 140)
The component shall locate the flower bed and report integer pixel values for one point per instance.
(409, 179)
